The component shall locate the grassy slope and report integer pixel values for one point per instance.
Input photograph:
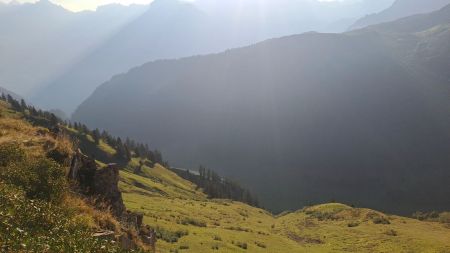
(167, 200)
(73, 210)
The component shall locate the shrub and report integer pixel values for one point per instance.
(38, 226)
(11, 153)
(40, 178)
(261, 245)
(391, 232)
(353, 224)
(242, 245)
(444, 217)
(426, 216)
(381, 220)
(239, 229)
(169, 236)
(193, 222)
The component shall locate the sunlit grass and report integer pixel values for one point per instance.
(172, 204)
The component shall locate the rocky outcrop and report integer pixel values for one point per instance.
(103, 185)
(82, 171)
(106, 186)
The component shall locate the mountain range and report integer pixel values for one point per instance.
(305, 118)
(174, 29)
(400, 9)
(32, 34)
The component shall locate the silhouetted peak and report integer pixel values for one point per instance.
(166, 4)
(48, 5)
(172, 7)
(158, 3)
(44, 3)
(14, 2)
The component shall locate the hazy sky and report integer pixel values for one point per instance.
(77, 5)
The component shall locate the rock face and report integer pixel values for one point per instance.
(82, 170)
(106, 185)
(103, 183)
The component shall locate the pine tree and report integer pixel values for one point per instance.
(96, 136)
(23, 105)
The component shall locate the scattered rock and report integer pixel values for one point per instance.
(105, 235)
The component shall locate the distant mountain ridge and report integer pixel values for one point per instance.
(303, 119)
(400, 9)
(174, 29)
(43, 32)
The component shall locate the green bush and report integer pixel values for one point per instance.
(169, 236)
(183, 247)
(381, 220)
(353, 224)
(11, 153)
(242, 245)
(426, 216)
(391, 232)
(39, 178)
(444, 217)
(38, 226)
(193, 222)
(261, 245)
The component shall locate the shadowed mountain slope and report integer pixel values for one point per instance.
(303, 119)
(36, 150)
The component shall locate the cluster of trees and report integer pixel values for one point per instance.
(218, 187)
(36, 116)
(125, 149)
(212, 183)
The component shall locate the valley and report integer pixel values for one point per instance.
(329, 112)
(202, 126)
(186, 220)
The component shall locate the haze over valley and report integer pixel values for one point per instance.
(225, 126)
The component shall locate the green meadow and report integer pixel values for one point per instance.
(187, 221)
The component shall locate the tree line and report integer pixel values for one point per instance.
(125, 149)
(208, 180)
(218, 187)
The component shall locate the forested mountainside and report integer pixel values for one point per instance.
(56, 199)
(400, 9)
(305, 118)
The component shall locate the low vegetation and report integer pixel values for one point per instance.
(237, 227)
(38, 213)
(35, 214)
